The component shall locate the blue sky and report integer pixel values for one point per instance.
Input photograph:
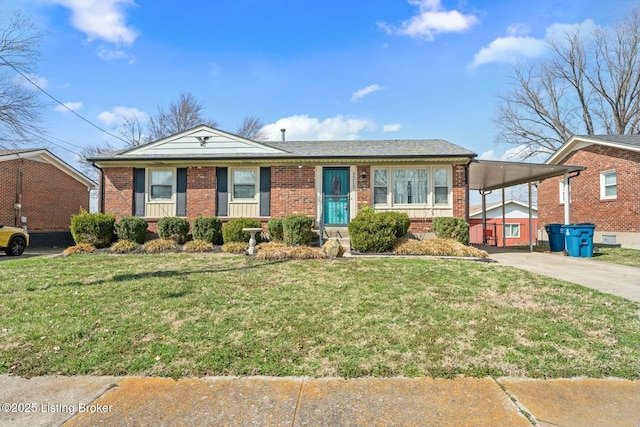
(348, 69)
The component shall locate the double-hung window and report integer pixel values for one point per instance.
(380, 186)
(161, 185)
(512, 230)
(244, 183)
(441, 186)
(608, 185)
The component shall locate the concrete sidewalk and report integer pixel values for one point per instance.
(247, 401)
(620, 280)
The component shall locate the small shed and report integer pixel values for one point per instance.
(512, 229)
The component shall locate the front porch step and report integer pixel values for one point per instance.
(340, 233)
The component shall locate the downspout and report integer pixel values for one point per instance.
(567, 195)
(100, 189)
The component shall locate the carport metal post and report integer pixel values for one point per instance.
(530, 220)
(504, 222)
(567, 201)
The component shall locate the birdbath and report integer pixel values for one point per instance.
(252, 240)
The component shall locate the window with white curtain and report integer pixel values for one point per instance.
(410, 187)
(426, 186)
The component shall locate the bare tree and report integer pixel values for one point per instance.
(91, 151)
(180, 116)
(252, 127)
(19, 104)
(590, 84)
(131, 131)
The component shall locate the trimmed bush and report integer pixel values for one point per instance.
(95, 229)
(451, 228)
(197, 246)
(80, 248)
(401, 220)
(208, 228)
(132, 228)
(232, 230)
(274, 228)
(173, 228)
(296, 230)
(158, 246)
(123, 247)
(372, 232)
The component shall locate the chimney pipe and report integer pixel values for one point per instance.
(283, 130)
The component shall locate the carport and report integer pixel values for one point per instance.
(486, 176)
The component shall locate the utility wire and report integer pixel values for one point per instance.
(57, 101)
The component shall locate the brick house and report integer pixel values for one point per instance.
(606, 193)
(208, 172)
(41, 192)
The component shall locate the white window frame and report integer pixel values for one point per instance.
(603, 185)
(256, 193)
(510, 225)
(174, 178)
(430, 200)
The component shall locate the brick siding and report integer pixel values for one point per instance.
(617, 215)
(49, 196)
(293, 191)
(117, 191)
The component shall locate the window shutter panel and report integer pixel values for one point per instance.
(222, 205)
(181, 192)
(138, 191)
(265, 191)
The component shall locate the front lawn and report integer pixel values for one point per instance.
(184, 314)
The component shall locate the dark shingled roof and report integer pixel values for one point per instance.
(620, 139)
(372, 148)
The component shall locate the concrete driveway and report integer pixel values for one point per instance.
(606, 277)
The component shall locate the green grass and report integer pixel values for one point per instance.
(623, 256)
(179, 315)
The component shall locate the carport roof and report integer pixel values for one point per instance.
(487, 175)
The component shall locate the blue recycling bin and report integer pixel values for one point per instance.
(579, 239)
(556, 238)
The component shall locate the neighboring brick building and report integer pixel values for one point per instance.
(208, 172)
(606, 193)
(41, 192)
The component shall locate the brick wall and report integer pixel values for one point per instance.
(49, 196)
(364, 187)
(293, 191)
(117, 191)
(618, 215)
(201, 192)
(458, 190)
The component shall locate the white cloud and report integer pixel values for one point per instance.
(101, 19)
(117, 115)
(305, 128)
(73, 106)
(366, 91)
(431, 20)
(515, 154)
(488, 155)
(110, 54)
(392, 127)
(517, 45)
(509, 49)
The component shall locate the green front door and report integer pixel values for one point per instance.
(335, 190)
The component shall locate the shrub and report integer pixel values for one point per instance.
(232, 230)
(95, 229)
(278, 253)
(173, 228)
(437, 247)
(132, 228)
(372, 232)
(197, 246)
(158, 246)
(235, 247)
(297, 230)
(208, 228)
(123, 247)
(451, 228)
(80, 248)
(401, 220)
(274, 228)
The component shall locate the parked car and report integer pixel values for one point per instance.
(13, 240)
